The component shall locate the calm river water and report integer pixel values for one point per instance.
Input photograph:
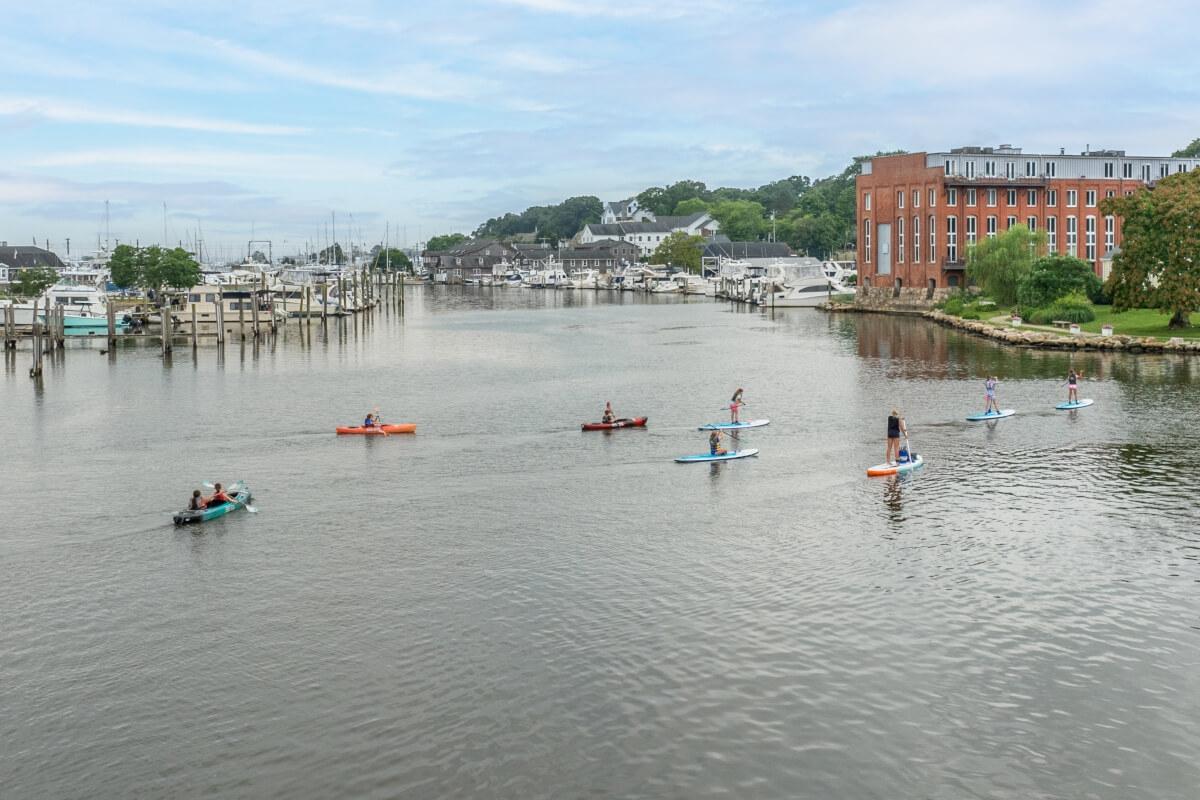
(503, 606)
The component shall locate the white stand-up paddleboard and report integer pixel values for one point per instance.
(984, 417)
(1069, 406)
(896, 469)
(734, 426)
(723, 457)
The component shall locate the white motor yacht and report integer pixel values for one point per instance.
(797, 285)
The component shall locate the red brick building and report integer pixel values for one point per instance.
(919, 213)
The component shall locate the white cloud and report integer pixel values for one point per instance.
(58, 111)
(210, 162)
(418, 81)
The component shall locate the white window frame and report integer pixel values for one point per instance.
(900, 199)
(1030, 169)
(991, 198)
(916, 198)
(990, 226)
(1089, 229)
(933, 198)
(1127, 170)
(1090, 198)
(916, 238)
(1052, 233)
(1110, 169)
(1110, 234)
(952, 197)
(989, 168)
(970, 169)
(1073, 235)
(972, 197)
(899, 240)
(867, 239)
(866, 201)
(972, 230)
(1031, 198)
(1012, 198)
(932, 239)
(1052, 198)
(951, 240)
(1072, 198)
(1009, 222)
(1051, 169)
(1031, 223)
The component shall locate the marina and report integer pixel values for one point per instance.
(502, 581)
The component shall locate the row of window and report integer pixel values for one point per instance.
(1051, 169)
(992, 195)
(1072, 241)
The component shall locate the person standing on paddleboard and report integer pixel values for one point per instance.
(735, 404)
(1073, 385)
(989, 392)
(896, 427)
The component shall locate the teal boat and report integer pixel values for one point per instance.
(241, 498)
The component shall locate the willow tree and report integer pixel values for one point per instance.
(1159, 262)
(998, 264)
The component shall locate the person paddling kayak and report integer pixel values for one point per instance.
(197, 502)
(714, 444)
(989, 393)
(735, 405)
(609, 416)
(218, 497)
(371, 421)
(895, 427)
(1073, 385)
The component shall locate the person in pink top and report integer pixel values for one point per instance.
(735, 404)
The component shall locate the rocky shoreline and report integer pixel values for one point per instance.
(1039, 339)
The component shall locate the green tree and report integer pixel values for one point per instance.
(662, 200)
(332, 255)
(1191, 151)
(33, 281)
(1054, 276)
(814, 235)
(1159, 261)
(680, 250)
(124, 267)
(998, 264)
(444, 242)
(693, 205)
(741, 220)
(392, 258)
(174, 268)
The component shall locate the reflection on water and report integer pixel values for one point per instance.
(502, 605)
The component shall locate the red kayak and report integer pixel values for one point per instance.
(378, 430)
(636, 422)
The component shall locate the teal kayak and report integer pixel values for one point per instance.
(241, 498)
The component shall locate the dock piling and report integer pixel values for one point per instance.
(195, 327)
(220, 316)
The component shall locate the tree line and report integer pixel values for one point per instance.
(815, 217)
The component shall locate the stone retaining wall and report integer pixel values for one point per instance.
(1024, 337)
(885, 298)
(1083, 341)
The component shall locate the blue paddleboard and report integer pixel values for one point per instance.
(725, 457)
(1004, 412)
(1073, 406)
(734, 426)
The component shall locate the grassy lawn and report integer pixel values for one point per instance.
(1139, 322)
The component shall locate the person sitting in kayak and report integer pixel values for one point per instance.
(371, 421)
(218, 496)
(1073, 385)
(197, 502)
(609, 417)
(735, 404)
(989, 392)
(894, 429)
(714, 444)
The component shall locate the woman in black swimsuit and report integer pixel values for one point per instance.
(895, 428)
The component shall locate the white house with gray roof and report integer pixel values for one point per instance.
(649, 235)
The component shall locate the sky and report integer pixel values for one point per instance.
(275, 119)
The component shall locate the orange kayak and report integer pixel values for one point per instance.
(379, 430)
